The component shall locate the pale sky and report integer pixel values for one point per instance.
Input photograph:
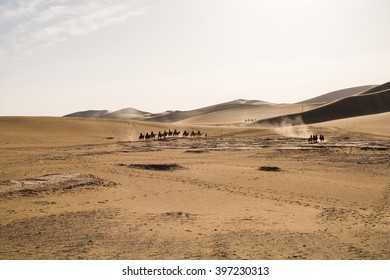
(62, 56)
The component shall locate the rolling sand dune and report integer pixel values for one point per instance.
(168, 116)
(334, 95)
(69, 131)
(73, 188)
(124, 114)
(176, 116)
(234, 112)
(351, 102)
(86, 188)
(379, 88)
(240, 115)
(127, 114)
(352, 106)
(89, 114)
(377, 124)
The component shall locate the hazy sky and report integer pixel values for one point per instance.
(60, 56)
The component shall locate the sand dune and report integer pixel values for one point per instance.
(124, 114)
(86, 188)
(69, 131)
(88, 114)
(168, 116)
(127, 114)
(379, 88)
(352, 106)
(334, 95)
(59, 131)
(76, 188)
(176, 116)
(377, 124)
(245, 115)
(346, 103)
(233, 112)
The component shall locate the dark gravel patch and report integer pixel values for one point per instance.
(155, 167)
(270, 168)
(197, 151)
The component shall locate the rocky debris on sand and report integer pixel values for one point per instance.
(51, 182)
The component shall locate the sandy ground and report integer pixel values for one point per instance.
(76, 192)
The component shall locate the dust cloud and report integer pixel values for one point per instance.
(293, 127)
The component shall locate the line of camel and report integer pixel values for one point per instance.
(170, 133)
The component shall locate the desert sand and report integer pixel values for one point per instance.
(79, 188)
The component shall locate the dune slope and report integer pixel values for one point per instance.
(125, 114)
(244, 115)
(177, 116)
(88, 114)
(353, 106)
(382, 87)
(334, 95)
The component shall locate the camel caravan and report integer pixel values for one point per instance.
(314, 138)
(168, 134)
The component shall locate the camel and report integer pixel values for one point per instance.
(196, 134)
(176, 133)
(141, 137)
(314, 138)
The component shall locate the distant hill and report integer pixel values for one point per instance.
(334, 95)
(125, 114)
(88, 114)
